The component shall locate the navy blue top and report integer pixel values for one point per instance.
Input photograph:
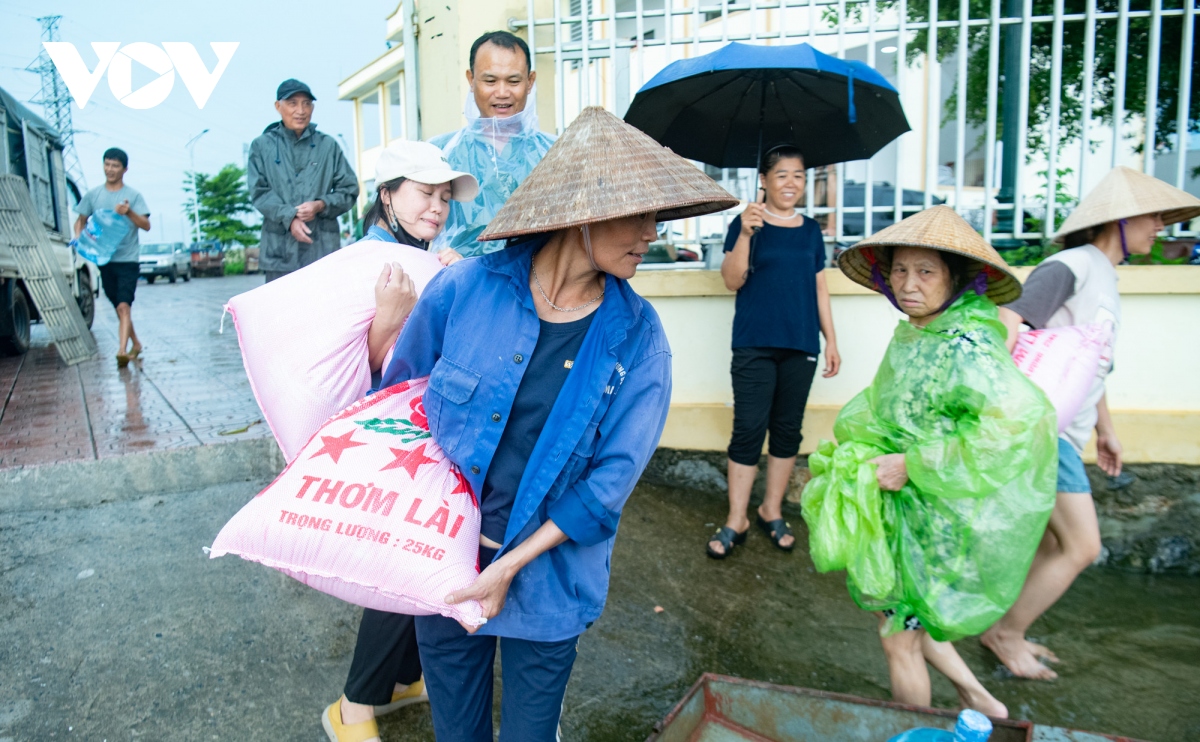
(469, 326)
(777, 306)
(552, 359)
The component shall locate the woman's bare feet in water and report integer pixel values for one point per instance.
(1019, 655)
(1041, 652)
(982, 701)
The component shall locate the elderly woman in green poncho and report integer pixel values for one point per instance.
(942, 480)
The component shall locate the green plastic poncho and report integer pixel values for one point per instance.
(500, 153)
(954, 545)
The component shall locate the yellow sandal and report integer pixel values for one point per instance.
(415, 693)
(339, 732)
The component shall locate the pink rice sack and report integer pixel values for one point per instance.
(1064, 362)
(304, 336)
(371, 511)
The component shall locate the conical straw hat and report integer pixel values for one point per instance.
(602, 168)
(936, 228)
(1125, 193)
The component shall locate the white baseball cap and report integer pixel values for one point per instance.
(424, 163)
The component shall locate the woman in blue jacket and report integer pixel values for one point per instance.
(549, 385)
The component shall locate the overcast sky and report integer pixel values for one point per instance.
(313, 41)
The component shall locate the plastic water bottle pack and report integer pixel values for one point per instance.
(99, 240)
(972, 726)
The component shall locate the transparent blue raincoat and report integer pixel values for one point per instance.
(500, 152)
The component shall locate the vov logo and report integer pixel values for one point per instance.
(165, 60)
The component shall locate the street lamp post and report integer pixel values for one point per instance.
(191, 148)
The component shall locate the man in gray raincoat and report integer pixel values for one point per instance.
(301, 182)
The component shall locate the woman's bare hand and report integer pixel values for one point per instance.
(1108, 454)
(490, 589)
(890, 471)
(395, 296)
(833, 360)
(449, 256)
(752, 218)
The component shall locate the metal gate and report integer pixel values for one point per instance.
(1114, 74)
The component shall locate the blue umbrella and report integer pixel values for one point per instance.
(721, 107)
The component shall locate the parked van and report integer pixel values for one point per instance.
(31, 149)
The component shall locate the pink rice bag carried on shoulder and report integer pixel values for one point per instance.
(371, 511)
(1064, 362)
(304, 336)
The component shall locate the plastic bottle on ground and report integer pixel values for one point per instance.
(972, 726)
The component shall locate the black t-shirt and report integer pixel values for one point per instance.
(777, 306)
(553, 356)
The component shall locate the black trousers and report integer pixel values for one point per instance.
(770, 392)
(386, 654)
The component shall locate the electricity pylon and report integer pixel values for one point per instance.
(55, 100)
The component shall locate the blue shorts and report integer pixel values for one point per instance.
(1071, 474)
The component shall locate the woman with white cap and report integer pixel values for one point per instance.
(1078, 286)
(549, 384)
(414, 188)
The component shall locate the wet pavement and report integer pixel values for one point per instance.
(114, 626)
(188, 388)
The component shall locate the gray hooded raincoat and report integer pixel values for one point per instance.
(284, 171)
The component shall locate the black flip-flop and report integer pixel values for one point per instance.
(728, 539)
(777, 529)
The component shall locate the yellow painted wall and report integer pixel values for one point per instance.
(1152, 392)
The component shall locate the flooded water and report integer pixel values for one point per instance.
(1130, 645)
(115, 623)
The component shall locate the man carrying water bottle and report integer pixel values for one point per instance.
(120, 274)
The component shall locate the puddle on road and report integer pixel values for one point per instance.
(1130, 644)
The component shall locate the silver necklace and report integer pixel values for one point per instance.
(795, 213)
(556, 307)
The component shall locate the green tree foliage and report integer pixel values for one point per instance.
(1041, 44)
(223, 201)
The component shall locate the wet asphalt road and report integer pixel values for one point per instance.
(115, 626)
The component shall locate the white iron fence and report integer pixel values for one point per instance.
(1016, 105)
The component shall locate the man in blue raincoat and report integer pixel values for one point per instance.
(501, 142)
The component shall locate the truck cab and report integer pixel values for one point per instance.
(31, 149)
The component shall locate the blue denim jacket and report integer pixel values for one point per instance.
(471, 333)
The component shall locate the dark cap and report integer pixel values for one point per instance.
(290, 87)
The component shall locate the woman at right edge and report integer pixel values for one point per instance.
(782, 304)
(1078, 286)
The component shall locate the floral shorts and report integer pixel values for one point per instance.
(912, 623)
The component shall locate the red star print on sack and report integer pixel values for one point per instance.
(409, 461)
(398, 538)
(335, 446)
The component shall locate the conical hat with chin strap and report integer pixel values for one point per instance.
(936, 228)
(1125, 193)
(602, 168)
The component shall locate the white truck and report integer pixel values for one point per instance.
(30, 148)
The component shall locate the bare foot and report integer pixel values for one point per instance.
(1040, 651)
(1016, 655)
(983, 702)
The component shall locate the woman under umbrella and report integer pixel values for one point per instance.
(550, 381)
(942, 480)
(782, 303)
